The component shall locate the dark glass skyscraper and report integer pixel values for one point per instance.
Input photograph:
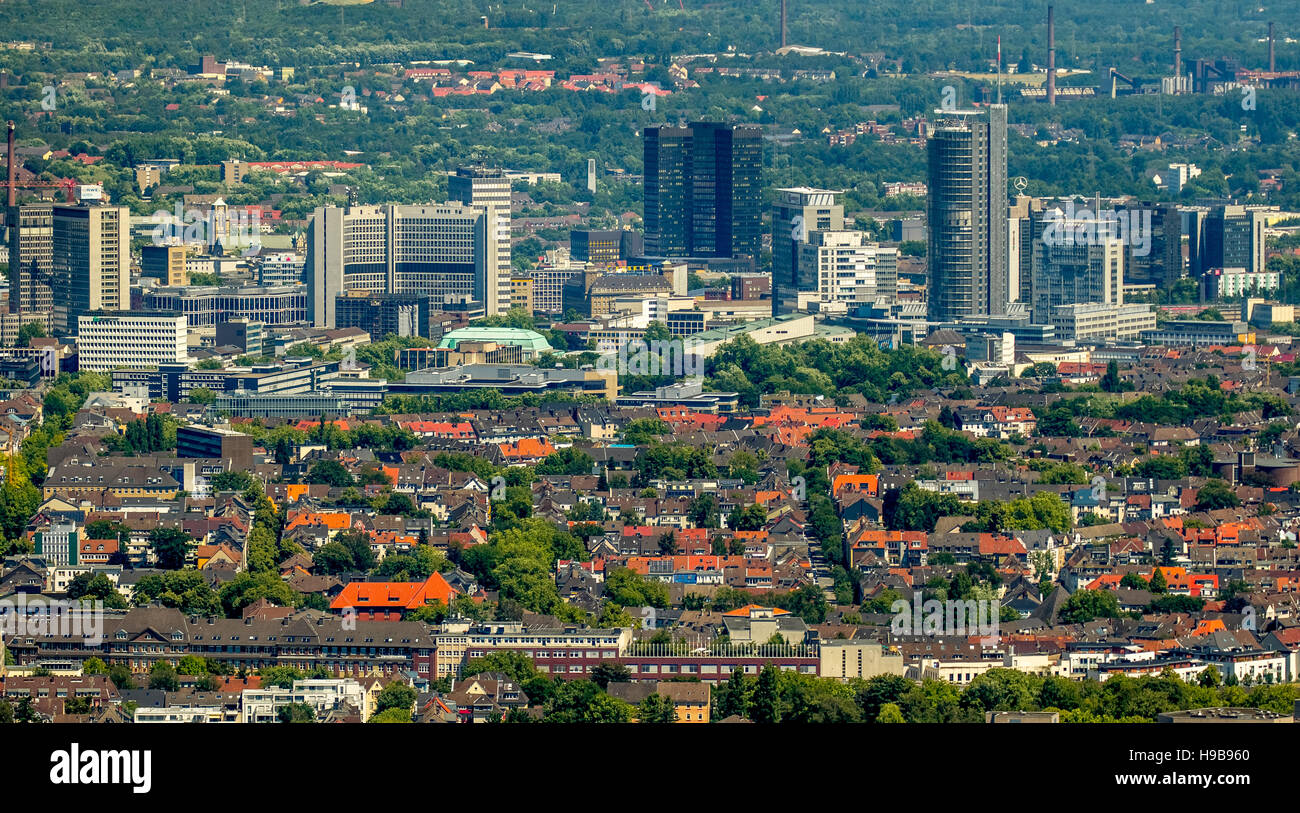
(1159, 260)
(1231, 237)
(967, 211)
(702, 190)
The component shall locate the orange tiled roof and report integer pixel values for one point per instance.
(526, 448)
(748, 608)
(394, 595)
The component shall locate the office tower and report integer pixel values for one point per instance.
(798, 212)
(726, 198)
(91, 261)
(488, 188)
(702, 190)
(886, 275)
(1013, 256)
(667, 169)
(1156, 257)
(1024, 225)
(31, 247)
(967, 215)
(1229, 237)
(1069, 269)
(447, 251)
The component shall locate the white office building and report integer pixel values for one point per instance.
(991, 348)
(1098, 320)
(1230, 283)
(281, 269)
(323, 695)
(839, 265)
(109, 341)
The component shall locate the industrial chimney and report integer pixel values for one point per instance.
(1051, 56)
(783, 31)
(13, 178)
(1178, 51)
(1272, 66)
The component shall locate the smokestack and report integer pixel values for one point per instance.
(1178, 51)
(783, 31)
(1272, 66)
(1051, 56)
(13, 197)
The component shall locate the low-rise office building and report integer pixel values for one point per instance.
(1099, 320)
(205, 306)
(1198, 333)
(108, 341)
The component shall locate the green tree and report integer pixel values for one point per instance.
(1158, 583)
(29, 331)
(732, 698)
(202, 395)
(163, 676)
(192, 665)
(608, 672)
(630, 589)
(581, 701)
(26, 711)
(765, 705)
(296, 713)
(392, 715)
(1133, 581)
(1001, 690)
(752, 518)
(1214, 495)
(329, 472)
(703, 512)
(1088, 605)
(657, 709)
(396, 695)
(121, 677)
(97, 587)
(247, 588)
(94, 666)
(171, 547)
(1111, 382)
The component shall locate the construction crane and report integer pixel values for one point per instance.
(69, 185)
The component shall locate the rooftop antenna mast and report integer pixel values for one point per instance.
(999, 69)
